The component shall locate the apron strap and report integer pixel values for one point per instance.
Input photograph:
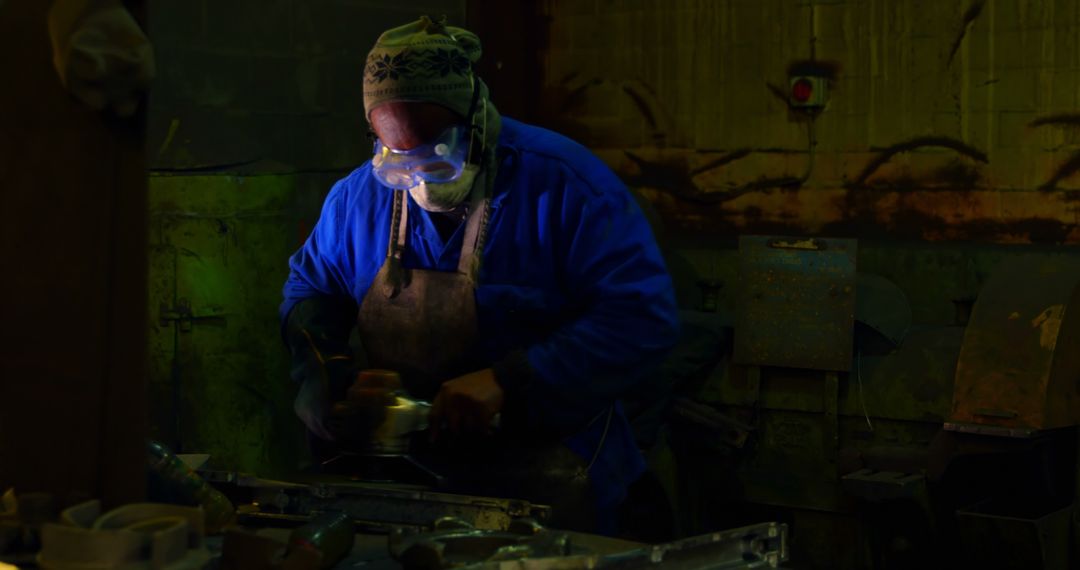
(396, 276)
(399, 226)
(472, 247)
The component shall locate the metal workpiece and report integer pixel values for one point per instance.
(1018, 366)
(379, 415)
(379, 427)
(527, 545)
(376, 505)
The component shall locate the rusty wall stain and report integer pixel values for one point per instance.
(930, 215)
(886, 154)
(916, 155)
(1049, 324)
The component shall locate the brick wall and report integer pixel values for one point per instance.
(947, 120)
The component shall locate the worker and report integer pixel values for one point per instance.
(500, 268)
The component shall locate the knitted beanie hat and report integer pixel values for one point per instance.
(423, 61)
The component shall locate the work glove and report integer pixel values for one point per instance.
(317, 332)
(321, 386)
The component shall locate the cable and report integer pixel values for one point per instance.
(584, 473)
(858, 379)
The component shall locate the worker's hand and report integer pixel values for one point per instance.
(312, 405)
(466, 404)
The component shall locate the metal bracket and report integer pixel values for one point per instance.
(883, 485)
(1014, 432)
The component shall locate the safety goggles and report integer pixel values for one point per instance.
(441, 160)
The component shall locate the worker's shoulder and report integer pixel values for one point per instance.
(359, 192)
(353, 182)
(555, 153)
(356, 198)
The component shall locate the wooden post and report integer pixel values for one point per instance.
(73, 292)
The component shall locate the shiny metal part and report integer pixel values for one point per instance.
(403, 417)
(457, 546)
(378, 415)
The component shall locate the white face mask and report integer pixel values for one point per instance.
(445, 196)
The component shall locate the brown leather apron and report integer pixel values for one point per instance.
(423, 324)
(419, 322)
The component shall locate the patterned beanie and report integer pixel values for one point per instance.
(424, 61)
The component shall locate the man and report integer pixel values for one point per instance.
(500, 268)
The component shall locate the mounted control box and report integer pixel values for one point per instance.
(808, 92)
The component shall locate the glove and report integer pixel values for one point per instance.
(312, 405)
(317, 332)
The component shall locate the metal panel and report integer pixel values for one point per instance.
(219, 381)
(1019, 366)
(796, 302)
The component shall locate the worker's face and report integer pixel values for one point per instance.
(404, 125)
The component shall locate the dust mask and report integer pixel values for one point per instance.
(445, 196)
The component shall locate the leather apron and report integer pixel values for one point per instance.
(423, 324)
(418, 322)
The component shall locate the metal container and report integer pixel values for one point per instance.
(1013, 533)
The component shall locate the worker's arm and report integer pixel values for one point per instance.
(317, 316)
(627, 319)
(320, 268)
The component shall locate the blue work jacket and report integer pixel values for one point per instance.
(570, 273)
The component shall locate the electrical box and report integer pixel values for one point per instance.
(808, 91)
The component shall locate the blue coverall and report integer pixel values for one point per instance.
(571, 275)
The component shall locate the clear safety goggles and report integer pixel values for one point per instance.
(441, 160)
